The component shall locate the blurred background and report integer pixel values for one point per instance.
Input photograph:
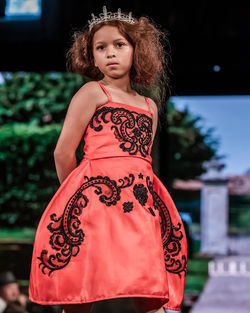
(202, 155)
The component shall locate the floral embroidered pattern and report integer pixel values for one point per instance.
(141, 193)
(151, 190)
(151, 211)
(132, 129)
(127, 206)
(67, 235)
(171, 236)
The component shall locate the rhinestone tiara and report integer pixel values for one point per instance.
(107, 16)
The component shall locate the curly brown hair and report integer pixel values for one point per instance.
(149, 72)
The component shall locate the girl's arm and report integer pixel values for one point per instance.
(80, 111)
(154, 111)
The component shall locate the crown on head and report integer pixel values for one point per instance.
(107, 16)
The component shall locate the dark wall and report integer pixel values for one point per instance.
(202, 34)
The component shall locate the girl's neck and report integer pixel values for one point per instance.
(120, 83)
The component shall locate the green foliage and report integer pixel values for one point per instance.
(32, 110)
(239, 215)
(37, 97)
(244, 219)
(28, 176)
(189, 147)
(27, 161)
(197, 274)
(17, 235)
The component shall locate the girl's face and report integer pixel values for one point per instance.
(113, 53)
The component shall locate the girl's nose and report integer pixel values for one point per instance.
(109, 56)
(110, 53)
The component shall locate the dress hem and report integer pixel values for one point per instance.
(94, 300)
(171, 308)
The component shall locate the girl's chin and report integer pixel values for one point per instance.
(114, 75)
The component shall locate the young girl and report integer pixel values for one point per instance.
(111, 230)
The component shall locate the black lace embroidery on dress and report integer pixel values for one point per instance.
(151, 190)
(67, 235)
(171, 236)
(151, 211)
(134, 129)
(127, 206)
(140, 175)
(141, 193)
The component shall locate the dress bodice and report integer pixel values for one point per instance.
(118, 129)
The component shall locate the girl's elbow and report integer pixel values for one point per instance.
(61, 154)
(57, 153)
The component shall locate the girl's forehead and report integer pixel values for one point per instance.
(106, 33)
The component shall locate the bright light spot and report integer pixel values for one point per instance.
(23, 7)
(217, 68)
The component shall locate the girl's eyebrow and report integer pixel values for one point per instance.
(101, 42)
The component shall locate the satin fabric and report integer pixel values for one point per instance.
(111, 230)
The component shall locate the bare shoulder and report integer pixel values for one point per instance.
(153, 106)
(80, 111)
(93, 93)
(154, 112)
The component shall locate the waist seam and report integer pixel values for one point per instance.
(85, 157)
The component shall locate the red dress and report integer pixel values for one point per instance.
(112, 229)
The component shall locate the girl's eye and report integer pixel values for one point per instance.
(120, 44)
(99, 47)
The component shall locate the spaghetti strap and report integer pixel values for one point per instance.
(105, 90)
(149, 109)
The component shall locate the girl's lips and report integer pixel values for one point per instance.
(114, 63)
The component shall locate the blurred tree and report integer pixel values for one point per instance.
(189, 146)
(40, 98)
(32, 110)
